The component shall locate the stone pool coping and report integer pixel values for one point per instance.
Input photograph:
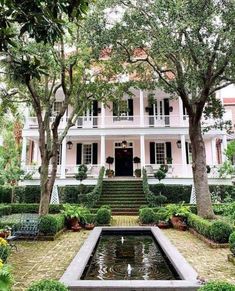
(72, 275)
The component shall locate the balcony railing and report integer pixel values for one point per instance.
(136, 121)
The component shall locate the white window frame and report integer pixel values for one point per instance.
(156, 160)
(84, 144)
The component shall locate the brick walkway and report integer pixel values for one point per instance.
(36, 260)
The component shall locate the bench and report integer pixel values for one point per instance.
(27, 227)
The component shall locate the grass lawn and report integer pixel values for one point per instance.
(36, 260)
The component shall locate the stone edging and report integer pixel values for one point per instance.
(209, 242)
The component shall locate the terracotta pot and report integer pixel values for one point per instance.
(89, 226)
(176, 220)
(72, 222)
(163, 224)
(76, 228)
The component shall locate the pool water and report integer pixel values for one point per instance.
(128, 257)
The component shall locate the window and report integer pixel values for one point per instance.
(160, 153)
(57, 107)
(123, 110)
(87, 154)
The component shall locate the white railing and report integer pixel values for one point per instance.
(136, 121)
(180, 171)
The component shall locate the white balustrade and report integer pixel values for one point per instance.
(136, 121)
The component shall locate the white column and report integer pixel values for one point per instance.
(63, 159)
(102, 151)
(213, 152)
(102, 115)
(24, 152)
(224, 147)
(142, 151)
(141, 108)
(183, 156)
(180, 111)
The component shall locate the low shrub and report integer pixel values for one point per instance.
(5, 210)
(103, 216)
(146, 215)
(5, 194)
(161, 214)
(232, 242)
(200, 224)
(218, 286)
(220, 231)
(51, 224)
(47, 285)
(223, 191)
(4, 250)
(33, 208)
(173, 193)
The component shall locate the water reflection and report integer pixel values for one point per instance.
(128, 257)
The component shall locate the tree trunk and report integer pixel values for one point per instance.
(45, 191)
(203, 196)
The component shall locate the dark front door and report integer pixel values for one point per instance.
(123, 162)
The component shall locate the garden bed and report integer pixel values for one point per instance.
(209, 242)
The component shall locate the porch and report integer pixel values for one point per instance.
(153, 151)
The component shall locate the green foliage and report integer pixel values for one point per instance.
(5, 194)
(75, 194)
(82, 173)
(89, 218)
(32, 208)
(160, 175)
(226, 169)
(136, 160)
(223, 191)
(217, 286)
(6, 279)
(200, 224)
(161, 214)
(51, 224)
(150, 197)
(146, 215)
(177, 210)
(160, 199)
(47, 285)
(5, 210)
(220, 231)
(103, 216)
(232, 242)
(174, 193)
(230, 151)
(93, 197)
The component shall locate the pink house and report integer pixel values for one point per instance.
(156, 132)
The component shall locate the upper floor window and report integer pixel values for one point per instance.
(123, 110)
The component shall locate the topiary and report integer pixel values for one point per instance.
(232, 243)
(47, 285)
(220, 231)
(103, 216)
(146, 215)
(217, 286)
(160, 175)
(160, 199)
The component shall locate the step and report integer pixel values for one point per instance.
(123, 206)
(137, 195)
(131, 199)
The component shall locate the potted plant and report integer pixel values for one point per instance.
(109, 172)
(136, 160)
(178, 215)
(71, 214)
(90, 221)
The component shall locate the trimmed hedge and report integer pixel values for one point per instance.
(72, 194)
(5, 194)
(5, 210)
(51, 224)
(174, 193)
(218, 231)
(146, 215)
(217, 286)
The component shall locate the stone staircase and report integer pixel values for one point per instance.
(124, 196)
